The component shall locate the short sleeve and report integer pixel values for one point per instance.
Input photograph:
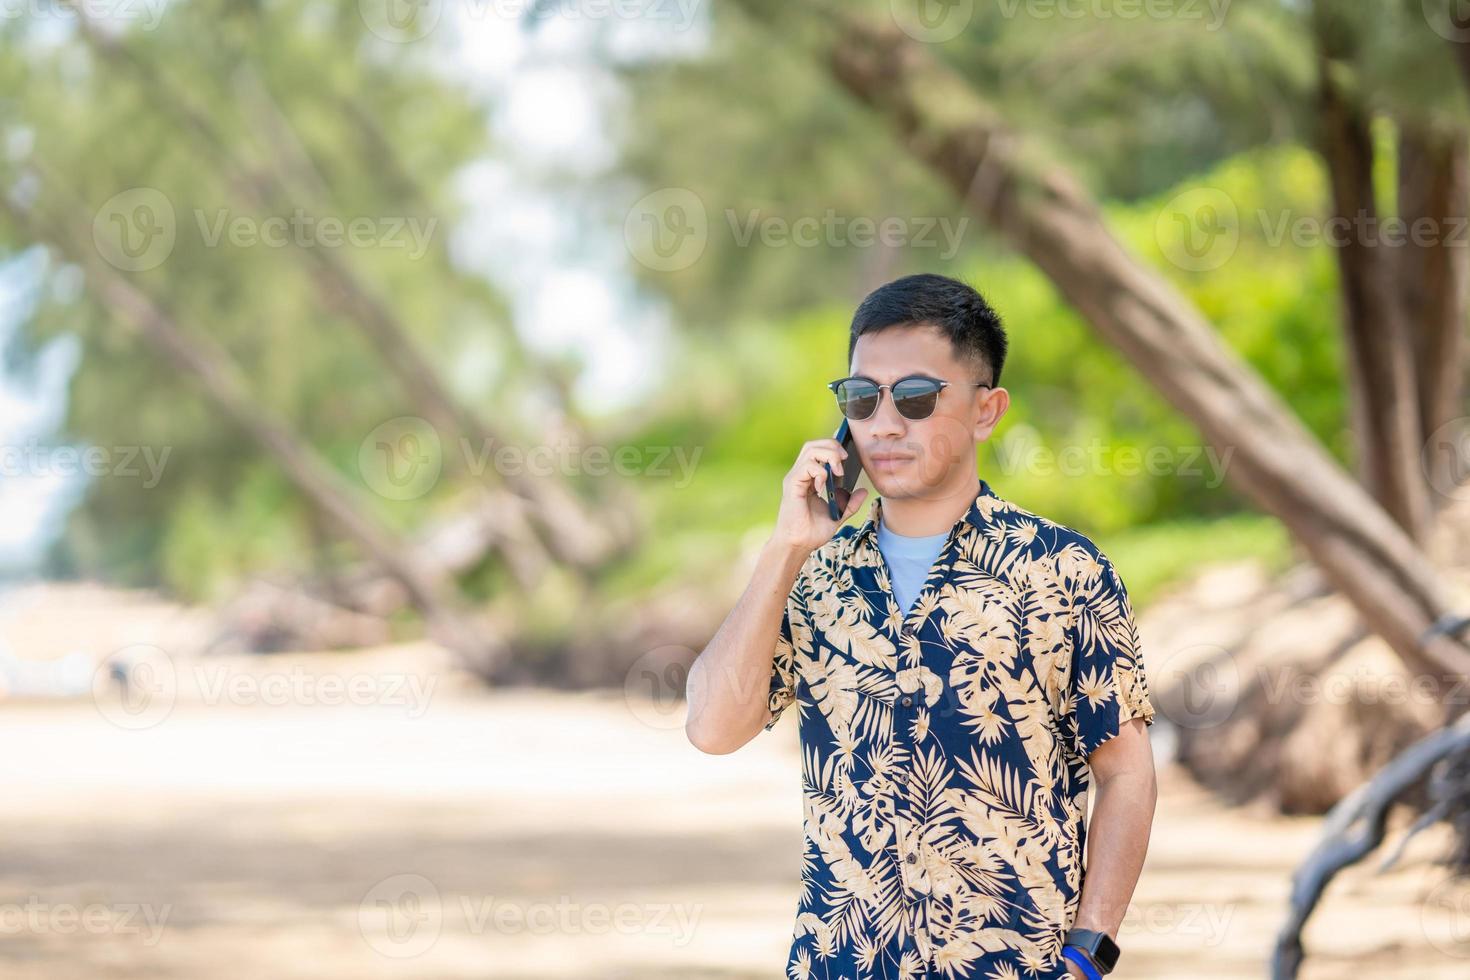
(795, 635)
(1108, 683)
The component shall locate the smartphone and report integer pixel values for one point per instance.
(839, 493)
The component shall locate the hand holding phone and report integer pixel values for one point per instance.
(807, 521)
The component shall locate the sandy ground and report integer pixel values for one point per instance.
(535, 835)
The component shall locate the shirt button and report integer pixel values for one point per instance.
(912, 859)
(907, 700)
(908, 631)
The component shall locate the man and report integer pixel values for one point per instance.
(965, 672)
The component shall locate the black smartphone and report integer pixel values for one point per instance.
(838, 494)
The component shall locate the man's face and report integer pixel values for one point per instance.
(922, 458)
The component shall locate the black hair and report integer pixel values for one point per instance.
(956, 309)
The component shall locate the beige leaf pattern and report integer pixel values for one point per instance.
(944, 774)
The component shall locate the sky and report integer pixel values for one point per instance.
(33, 496)
(567, 274)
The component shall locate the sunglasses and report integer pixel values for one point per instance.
(915, 397)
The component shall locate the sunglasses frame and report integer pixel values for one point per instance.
(832, 386)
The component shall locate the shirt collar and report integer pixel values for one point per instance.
(985, 504)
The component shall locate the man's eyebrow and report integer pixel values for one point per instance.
(898, 376)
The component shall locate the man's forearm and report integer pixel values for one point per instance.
(728, 682)
(1117, 842)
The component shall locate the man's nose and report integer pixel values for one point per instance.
(887, 423)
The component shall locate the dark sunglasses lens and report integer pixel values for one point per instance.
(916, 398)
(857, 399)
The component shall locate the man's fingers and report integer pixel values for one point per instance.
(827, 444)
(805, 473)
(808, 471)
(831, 457)
(813, 478)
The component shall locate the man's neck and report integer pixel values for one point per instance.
(919, 517)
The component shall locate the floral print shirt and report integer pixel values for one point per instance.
(944, 774)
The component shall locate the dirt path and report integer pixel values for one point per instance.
(534, 835)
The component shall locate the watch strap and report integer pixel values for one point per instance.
(1078, 955)
(1098, 946)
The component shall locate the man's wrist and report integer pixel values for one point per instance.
(785, 550)
(1095, 946)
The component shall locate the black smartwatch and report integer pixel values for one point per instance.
(1098, 946)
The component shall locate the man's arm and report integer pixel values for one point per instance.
(1127, 790)
(729, 681)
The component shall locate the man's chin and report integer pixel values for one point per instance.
(902, 486)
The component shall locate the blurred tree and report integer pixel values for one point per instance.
(299, 165)
(1010, 176)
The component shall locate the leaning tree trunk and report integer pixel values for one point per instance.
(1047, 216)
(1433, 275)
(1379, 342)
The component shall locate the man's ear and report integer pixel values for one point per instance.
(994, 402)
